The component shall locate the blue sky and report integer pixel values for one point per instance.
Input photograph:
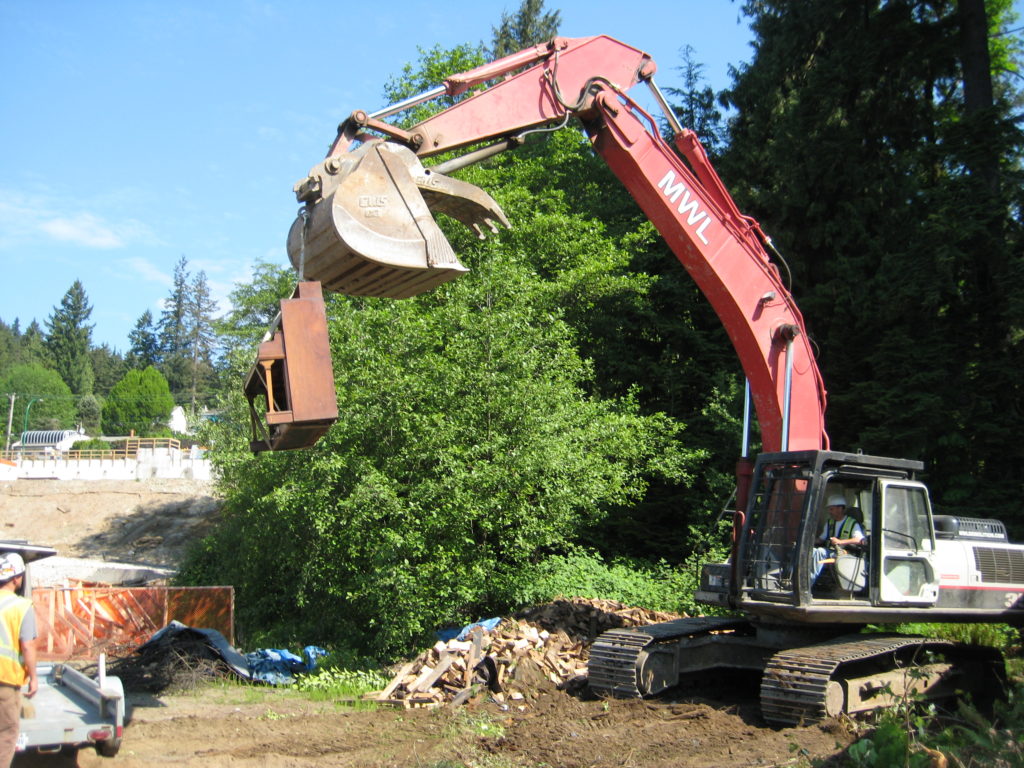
(133, 132)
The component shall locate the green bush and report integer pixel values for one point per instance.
(336, 683)
(42, 395)
(141, 402)
(658, 586)
(1001, 636)
(93, 444)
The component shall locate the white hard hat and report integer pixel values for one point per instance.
(11, 565)
(836, 500)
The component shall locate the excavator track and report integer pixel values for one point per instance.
(806, 685)
(615, 655)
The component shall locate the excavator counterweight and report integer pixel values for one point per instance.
(368, 227)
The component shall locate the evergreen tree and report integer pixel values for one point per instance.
(529, 25)
(68, 339)
(33, 347)
(172, 330)
(9, 346)
(697, 108)
(145, 345)
(199, 337)
(108, 367)
(856, 145)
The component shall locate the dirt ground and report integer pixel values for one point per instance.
(237, 725)
(234, 726)
(131, 521)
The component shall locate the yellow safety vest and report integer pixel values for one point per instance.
(12, 611)
(846, 526)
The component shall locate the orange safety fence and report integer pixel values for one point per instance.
(82, 622)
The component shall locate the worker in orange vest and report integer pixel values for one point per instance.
(17, 652)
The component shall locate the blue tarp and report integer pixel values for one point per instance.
(268, 665)
(462, 634)
(278, 667)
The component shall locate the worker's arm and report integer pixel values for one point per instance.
(845, 542)
(28, 654)
(856, 537)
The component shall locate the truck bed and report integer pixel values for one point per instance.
(73, 710)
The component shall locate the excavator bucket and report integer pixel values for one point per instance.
(290, 388)
(368, 229)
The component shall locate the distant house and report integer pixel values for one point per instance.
(178, 422)
(49, 439)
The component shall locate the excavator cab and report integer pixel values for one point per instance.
(290, 387)
(367, 228)
(774, 571)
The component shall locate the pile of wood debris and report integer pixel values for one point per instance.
(540, 648)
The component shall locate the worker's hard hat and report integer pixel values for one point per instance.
(11, 565)
(836, 500)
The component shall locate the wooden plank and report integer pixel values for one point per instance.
(396, 681)
(425, 681)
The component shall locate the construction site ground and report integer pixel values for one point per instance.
(235, 724)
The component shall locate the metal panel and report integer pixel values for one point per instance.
(81, 622)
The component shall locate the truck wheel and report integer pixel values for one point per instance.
(108, 747)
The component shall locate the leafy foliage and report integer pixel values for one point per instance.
(433, 66)
(93, 444)
(43, 396)
(141, 403)
(89, 412)
(659, 586)
(467, 449)
(333, 683)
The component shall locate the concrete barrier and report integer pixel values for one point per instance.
(147, 463)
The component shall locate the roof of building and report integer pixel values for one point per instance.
(47, 436)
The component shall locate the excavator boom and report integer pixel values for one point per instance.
(368, 228)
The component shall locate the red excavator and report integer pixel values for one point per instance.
(367, 228)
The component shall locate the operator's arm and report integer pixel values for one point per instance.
(856, 537)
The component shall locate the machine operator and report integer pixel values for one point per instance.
(841, 530)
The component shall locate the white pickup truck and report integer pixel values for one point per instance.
(70, 710)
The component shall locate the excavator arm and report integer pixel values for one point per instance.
(367, 227)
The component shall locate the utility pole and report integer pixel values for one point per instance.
(10, 419)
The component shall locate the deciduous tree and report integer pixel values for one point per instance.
(42, 395)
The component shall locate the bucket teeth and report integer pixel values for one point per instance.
(462, 201)
(368, 228)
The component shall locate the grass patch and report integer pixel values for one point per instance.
(342, 685)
